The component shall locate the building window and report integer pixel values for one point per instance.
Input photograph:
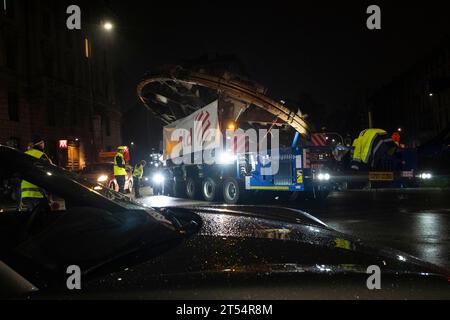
(87, 48)
(46, 23)
(13, 142)
(13, 106)
(11, 53)
(105, 84)
(107, 126)
(73, 116)
(8, 8)
(69, 40)
(47, 58)
(70, 72)
(51, 119)
(107, 95)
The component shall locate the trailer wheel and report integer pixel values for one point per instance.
(178, 189)
(192, 188)
(231, 191)
(209, 189)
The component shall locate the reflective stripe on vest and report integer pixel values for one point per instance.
(138, 171)
(27, 189)
(118, 171)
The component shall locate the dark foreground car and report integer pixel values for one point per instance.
(126, 251)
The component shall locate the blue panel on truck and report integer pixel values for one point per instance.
(289, 176)
(261, 184)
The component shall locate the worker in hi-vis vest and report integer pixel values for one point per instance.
(138, 172)
(371, 146)
(120, 168)
(30, 194)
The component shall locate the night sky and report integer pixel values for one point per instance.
(292, 47)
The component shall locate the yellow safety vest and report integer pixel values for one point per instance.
(138, 171)
(357, 150)
(29, 190)
(363, 144)
(118, 171)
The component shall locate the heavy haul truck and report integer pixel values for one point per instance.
(210, 116)
(232, 175)
(233, 105)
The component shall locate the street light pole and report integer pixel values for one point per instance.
(88, 56)
(107, 26)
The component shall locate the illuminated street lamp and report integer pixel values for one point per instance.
(108, 26)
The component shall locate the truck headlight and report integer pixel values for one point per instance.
(323, 176)
(158, 178)
(102, 178)
(425, 176)
(226, 158)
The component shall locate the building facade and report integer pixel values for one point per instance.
(57, 82)
(418, 101)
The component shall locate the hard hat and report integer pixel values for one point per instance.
(396, 137)
(121, 148)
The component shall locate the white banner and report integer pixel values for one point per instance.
(199, 128)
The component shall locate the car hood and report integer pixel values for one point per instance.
(237, 242)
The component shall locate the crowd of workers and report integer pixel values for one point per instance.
(32, 195)
(120, 171)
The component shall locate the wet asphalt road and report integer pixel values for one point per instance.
(414, 221)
